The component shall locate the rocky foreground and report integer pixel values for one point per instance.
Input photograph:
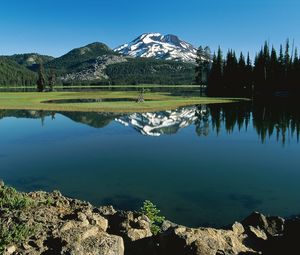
(49, 223)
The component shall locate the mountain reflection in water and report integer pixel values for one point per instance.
(280, 120)
(202, 165)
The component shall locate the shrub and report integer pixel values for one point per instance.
(13, 233)
(10, 199)
(151, 211)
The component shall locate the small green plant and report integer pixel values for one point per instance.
(13, 234)
(151, 211)
(10, 199)
(46, 202)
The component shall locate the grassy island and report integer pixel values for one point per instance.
(153, 101)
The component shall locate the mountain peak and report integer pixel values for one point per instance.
(158, 46)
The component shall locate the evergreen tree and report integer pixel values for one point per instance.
(199, 66)
(230, 73)
(52, 80)
(249, 75)
(287, 57)
(202, 65)
(242, 81)
(274, 69)
(41, 79)
(295, 74)
(215, 79)
(259, 73)
(270, 74)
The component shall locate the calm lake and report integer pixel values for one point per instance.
(202, 165)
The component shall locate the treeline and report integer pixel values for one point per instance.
(150, 71)
(271, 73)
(13, 74)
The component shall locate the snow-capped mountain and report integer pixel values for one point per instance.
(166, 122)
(158, 46)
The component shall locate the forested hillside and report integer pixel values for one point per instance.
(80, 58)
(151, 71)
(94, 64)
(30, 60)
(13, 74)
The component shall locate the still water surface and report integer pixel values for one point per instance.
(202, 165)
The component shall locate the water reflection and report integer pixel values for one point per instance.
(277, 119)
(164, 122)
(205, 165)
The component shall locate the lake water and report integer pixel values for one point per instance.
(201, 165)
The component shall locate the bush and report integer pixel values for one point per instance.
(10, 199)
(151, 211)
(13, 234)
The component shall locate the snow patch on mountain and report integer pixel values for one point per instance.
(158, 46)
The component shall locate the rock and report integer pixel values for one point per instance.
(134, 228)
(10, 250)
(238, 228)
(83, 219)
(67, 226)
(258, 233)
(270, 225)
(168, 224)
(99, 221)
(93, 231)
(107, 210)
(129, 225)
(97, 70)
(94, 243)
(202, 241)
(87, 240)
(275, 225)
(137, 234)
(73, 227)
(26, 246)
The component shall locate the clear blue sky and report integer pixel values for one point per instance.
(54, 27)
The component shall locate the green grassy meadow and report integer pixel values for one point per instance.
(159, 101)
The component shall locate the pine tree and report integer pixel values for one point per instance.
(281, 69)
(242, 76)
(202, 65)
(287, 56)
(215, 79)
(273, 71)
(41, 79)
(249, 75)
(295, 74)
(199, 66)
(51, 81)
(231, 73)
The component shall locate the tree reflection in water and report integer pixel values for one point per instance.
(276, 118)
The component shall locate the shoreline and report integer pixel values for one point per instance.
(50, 223)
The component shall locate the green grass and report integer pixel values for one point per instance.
(159, 101)
(105, 86)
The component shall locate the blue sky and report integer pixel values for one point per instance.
(54, 27)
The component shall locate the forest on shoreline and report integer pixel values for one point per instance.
(271, 73)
